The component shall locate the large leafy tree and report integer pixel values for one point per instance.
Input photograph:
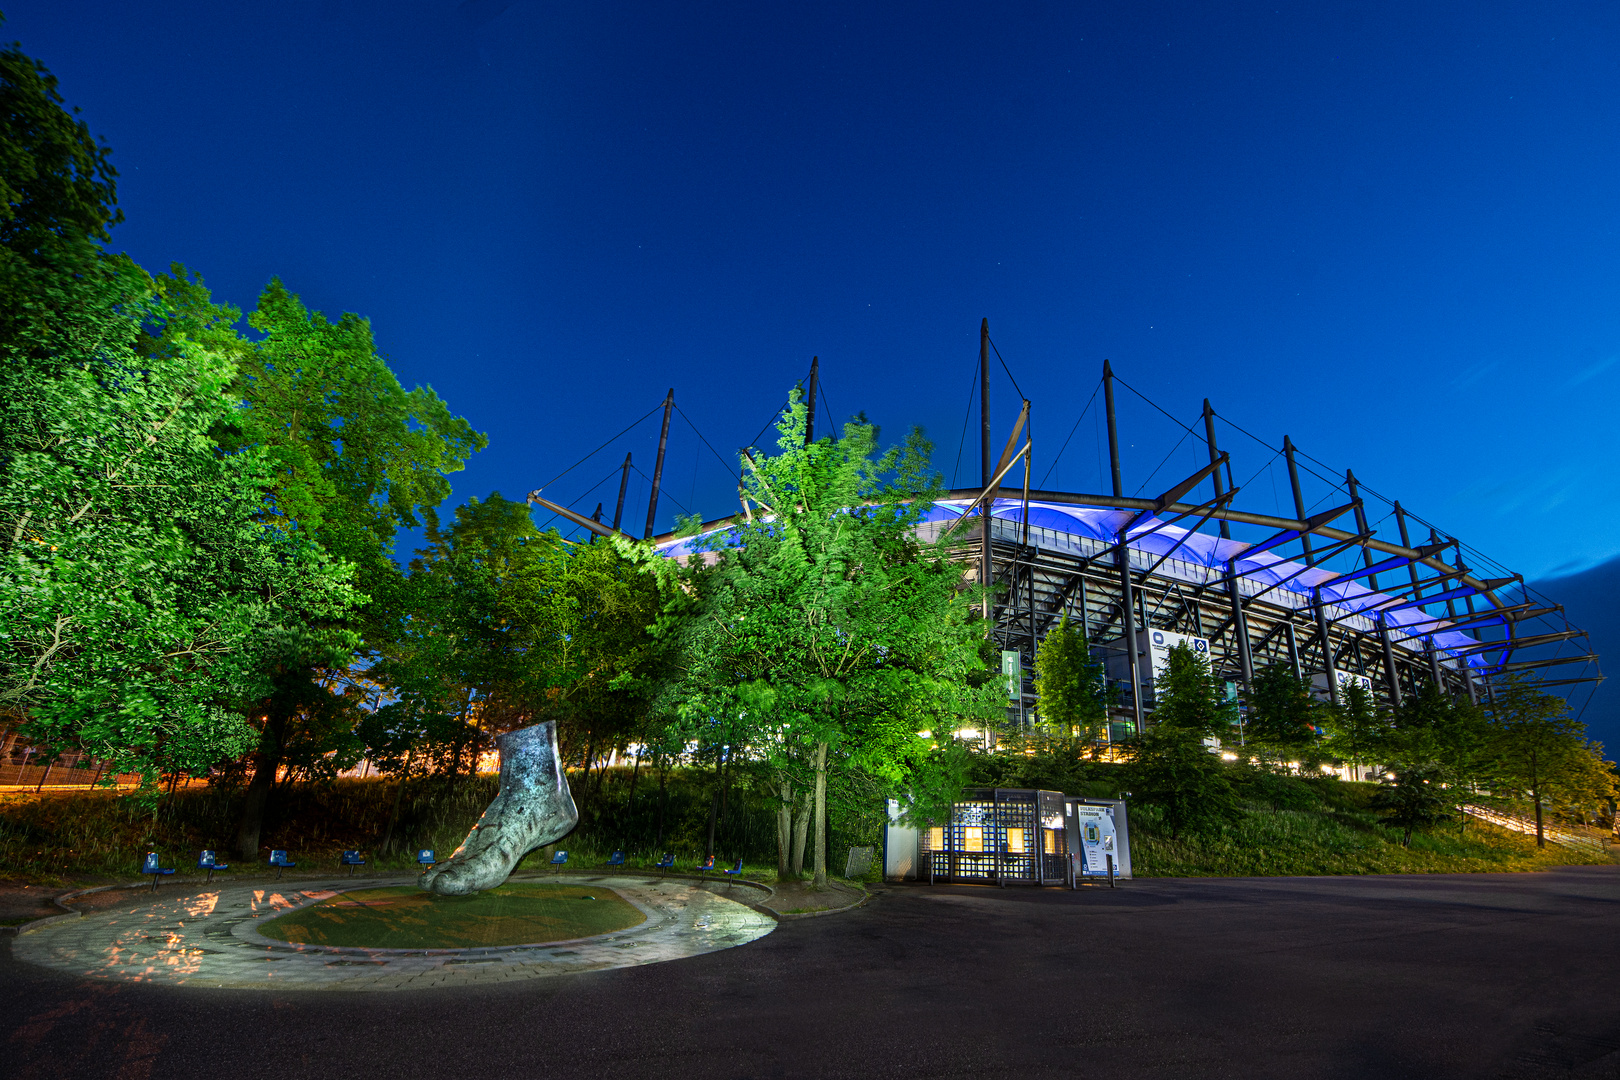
(140, 594)
(502, 625)
(140, 587)
(822, 629)
(1171, 768)
(1414, 798)
(1539, 751)
(1443, 738)
(1357, 729)
(353, 457)
(60, 293)
(1173, 771)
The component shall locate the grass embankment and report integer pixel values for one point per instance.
(1289, 826)
(1307, 827)
(522, 913)
(75, 836)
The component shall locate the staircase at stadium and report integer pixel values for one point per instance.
(1513, 822)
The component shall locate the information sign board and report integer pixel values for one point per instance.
(1098, 838)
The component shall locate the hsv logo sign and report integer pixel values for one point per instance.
(1159, 644)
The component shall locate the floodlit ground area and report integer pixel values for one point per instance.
(406, 917)
(1474, 975)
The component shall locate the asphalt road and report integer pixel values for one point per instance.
(1491, 976)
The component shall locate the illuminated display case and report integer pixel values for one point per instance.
(1008, 836)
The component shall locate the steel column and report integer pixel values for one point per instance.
(1327, 648)
(1234, 591)
(1299, 499)
(1113, 430)
(984, 402)
(624, 482)
(810, 411)
(658, 464)
(986, 511)
(1128, 618)
(1391, 676)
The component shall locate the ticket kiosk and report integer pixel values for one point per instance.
(1002, 836)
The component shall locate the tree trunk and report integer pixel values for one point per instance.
(821, 816)
(630, 803)
(714, 814)
(663, 801)
(393, 815)
(725, 783)
(801, 829)
(267, 760)
(1541, 836)
(784, 830)
(601, 773)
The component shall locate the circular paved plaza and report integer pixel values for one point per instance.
(212, 939)
(1433, 977)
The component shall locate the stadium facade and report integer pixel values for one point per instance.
(1328, 594)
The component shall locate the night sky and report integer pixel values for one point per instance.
(1388, 231)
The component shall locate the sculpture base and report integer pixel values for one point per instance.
(405, 917)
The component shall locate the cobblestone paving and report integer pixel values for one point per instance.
(211, 940)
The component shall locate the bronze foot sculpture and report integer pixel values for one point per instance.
(534, 808)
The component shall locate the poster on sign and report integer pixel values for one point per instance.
(1012, 669)
(1098, 838)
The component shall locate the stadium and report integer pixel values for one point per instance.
(1361, 591)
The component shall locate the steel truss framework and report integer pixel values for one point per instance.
(1118, 564)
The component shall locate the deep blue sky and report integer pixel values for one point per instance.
(1387, 230)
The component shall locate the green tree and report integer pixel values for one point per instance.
(1414, 798)
(822, 631)
(1443, 737)
(1357, 729)
(1283, 716)
(60, 293)
(502, 626)
(353, 457)
(139, 588)
(1174, 772)
(1539, 751)
(1190, 698)
(1069, 683)
(139, 591)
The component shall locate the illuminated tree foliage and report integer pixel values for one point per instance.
(1069, 683)
(1189, 696)
(1539, 752)
(1357, 729)
(823, 630)
(140, 587)
(1283, 716)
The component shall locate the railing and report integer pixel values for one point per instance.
(1513, 822)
